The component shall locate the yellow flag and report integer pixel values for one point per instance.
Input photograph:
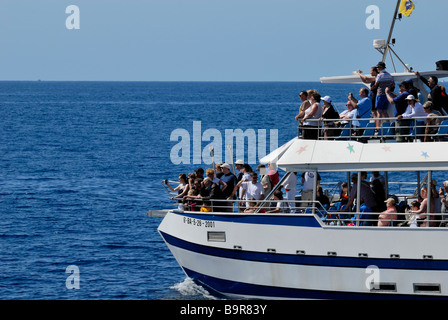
(406, 7)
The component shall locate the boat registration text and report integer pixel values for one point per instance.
(199, 222)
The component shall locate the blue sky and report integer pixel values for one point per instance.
(210, 40)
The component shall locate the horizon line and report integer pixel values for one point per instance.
(221, 81)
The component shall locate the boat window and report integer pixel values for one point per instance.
(216, 236)
(426, 287)
(381, 287)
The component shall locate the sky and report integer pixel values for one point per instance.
(210, 40)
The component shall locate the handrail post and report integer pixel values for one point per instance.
(314, 190)
(428, 198)
(358, 199)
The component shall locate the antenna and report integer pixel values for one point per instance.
(384, 47)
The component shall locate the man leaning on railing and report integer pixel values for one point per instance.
(404, 122)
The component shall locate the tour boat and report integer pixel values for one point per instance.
(317, 252)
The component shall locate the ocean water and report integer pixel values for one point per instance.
(82, 162)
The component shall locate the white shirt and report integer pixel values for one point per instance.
(316, 116)
(308, 182)
(246, 176)
(291, 182)
(416, 111)
(384, 80)
(253, 190)
(352, 115)
(283, 206)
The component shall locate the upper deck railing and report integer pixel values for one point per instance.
(424, 129)
(334, 214)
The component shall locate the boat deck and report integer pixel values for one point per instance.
(365, 151)
(391, 130)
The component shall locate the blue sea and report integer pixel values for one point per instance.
(81, 163)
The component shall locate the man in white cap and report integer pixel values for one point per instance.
(229, 178)
(239, 165)
(249, 189)
(414, 109)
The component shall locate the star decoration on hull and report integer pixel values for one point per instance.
(302, 149)
(350, 148)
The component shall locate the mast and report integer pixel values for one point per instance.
(391, 30)
(387, 45)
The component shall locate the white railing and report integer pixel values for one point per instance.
(400, 130)
(335, 214)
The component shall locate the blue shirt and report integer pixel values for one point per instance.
(231, 182)
(400, 103)
(365, 110)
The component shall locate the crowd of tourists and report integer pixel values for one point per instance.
(219, 189)
(318, 118)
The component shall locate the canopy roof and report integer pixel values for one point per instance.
(398, 77)
(277, 153)
(322, 155)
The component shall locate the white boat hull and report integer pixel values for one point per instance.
(296, 256)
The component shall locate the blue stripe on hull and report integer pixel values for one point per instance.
(309, 260)
(290, 220)
(225, 287)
